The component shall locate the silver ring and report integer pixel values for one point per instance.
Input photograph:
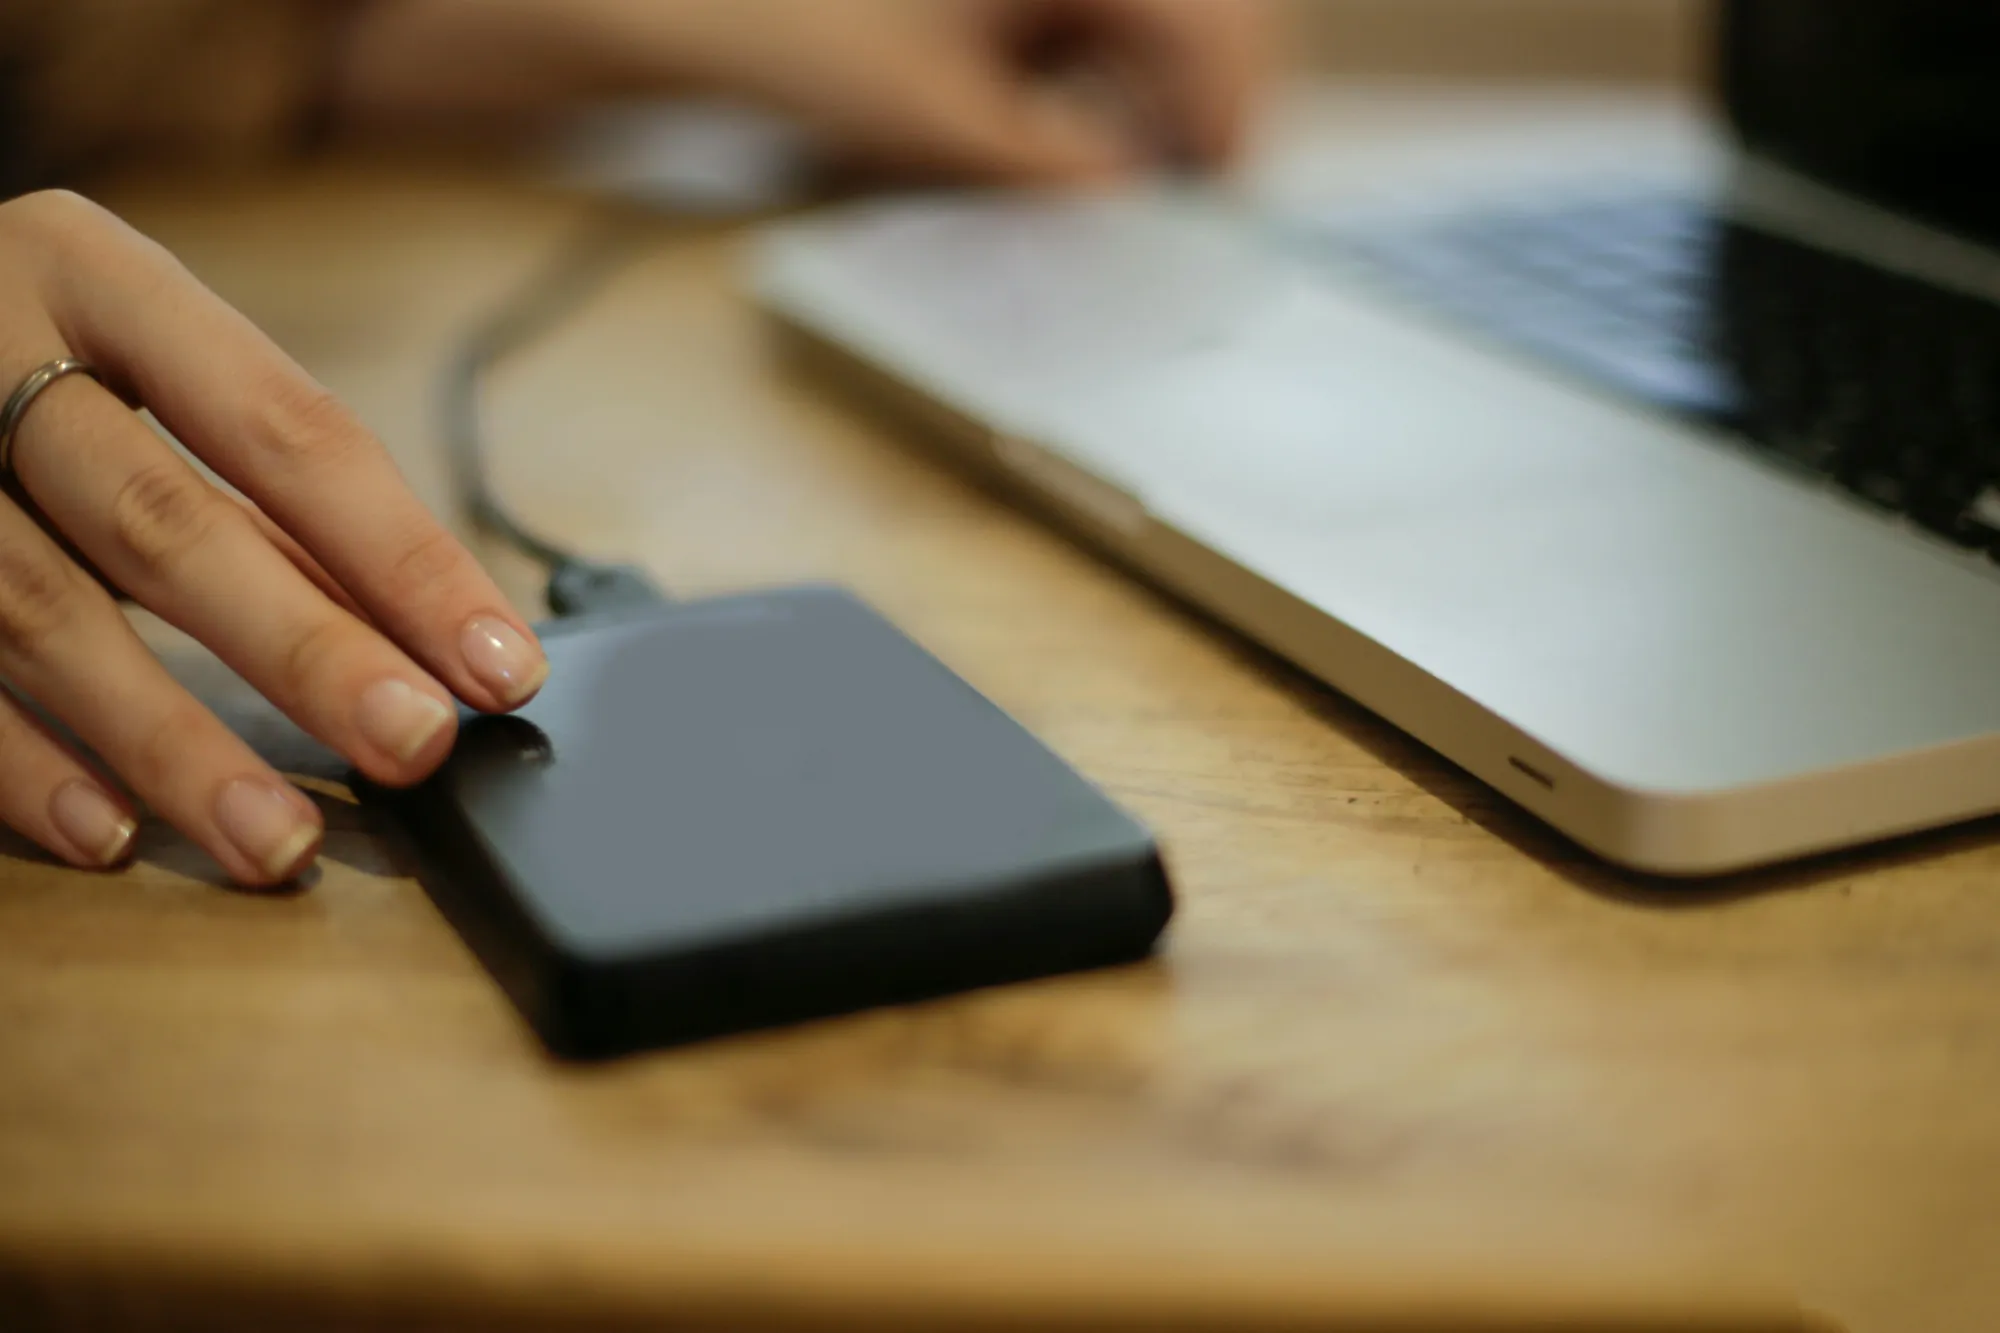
(24, 398)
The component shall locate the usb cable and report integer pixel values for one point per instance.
(577, 586)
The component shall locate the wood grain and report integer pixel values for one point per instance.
(1408, 1061)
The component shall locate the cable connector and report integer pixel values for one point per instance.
(578, 588)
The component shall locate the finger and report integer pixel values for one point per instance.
(302, 560)
(49, 795)
(977, 118)
(945, 98)
(1198, 65)
(64, 644)
(1043, 141)
(253, 414)
(182, 549)
(10, 488)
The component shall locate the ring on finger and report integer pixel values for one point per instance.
(23, 399)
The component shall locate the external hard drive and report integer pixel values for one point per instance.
(764, 809)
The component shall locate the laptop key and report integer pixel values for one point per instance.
(1878, 382)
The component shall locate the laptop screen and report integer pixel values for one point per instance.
(1895, 99)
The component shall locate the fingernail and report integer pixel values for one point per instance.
(265, 823)
(397, 717)
(505, 662)
(92, 822)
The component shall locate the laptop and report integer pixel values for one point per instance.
(1641, 458)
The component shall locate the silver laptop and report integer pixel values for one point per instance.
(1644, 461)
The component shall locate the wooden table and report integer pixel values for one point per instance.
(1405, 1050)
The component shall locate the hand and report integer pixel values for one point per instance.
(1021, 91)
(338, 596)
(1015, 90)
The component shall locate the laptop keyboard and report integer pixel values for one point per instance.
(1883, 384)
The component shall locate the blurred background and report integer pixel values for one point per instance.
(1630, 41)
(93, 83)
